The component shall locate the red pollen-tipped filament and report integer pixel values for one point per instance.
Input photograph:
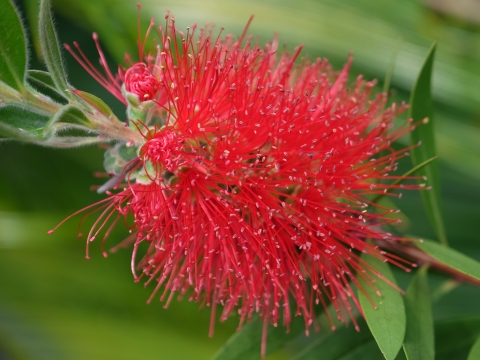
(109, 81)
(137, 77)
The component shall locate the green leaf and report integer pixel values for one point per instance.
(68, 117)
(450, 257)
(421, 110)
(246, 344)
(22, 123)
(42, 82)
(28, 124)
(13, 48)
(387, 322)
(50, 48)
(419, 338)
(474, 353)
(94, 102)
(344, 342)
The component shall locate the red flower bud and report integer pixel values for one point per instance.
(140, 81)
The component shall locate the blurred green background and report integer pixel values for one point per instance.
(54, 304)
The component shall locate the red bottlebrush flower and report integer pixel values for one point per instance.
(254, 189)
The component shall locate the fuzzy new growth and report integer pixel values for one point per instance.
(263, 170)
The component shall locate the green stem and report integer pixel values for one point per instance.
(42, 102)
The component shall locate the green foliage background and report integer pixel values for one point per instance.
(54, 304)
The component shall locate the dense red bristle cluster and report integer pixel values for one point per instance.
(264, 168)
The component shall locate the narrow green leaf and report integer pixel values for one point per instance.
(246, 344)
(13, 47)
(28, 124)
(421, 108)
(387, 322)
(450, 257)
(10, 132)
(50, 48)
(419, 336)
(94, 102)
(68, 117)
(22, 123)
(474, 353)
(343, 342)
(42, 82)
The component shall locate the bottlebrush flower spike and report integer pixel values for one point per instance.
(253, 188)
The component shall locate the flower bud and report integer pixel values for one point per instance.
(140, 81)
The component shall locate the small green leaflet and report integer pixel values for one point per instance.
(94, 102)
(22, 123)
(68, 117)
(42, 82)
(50, 49)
